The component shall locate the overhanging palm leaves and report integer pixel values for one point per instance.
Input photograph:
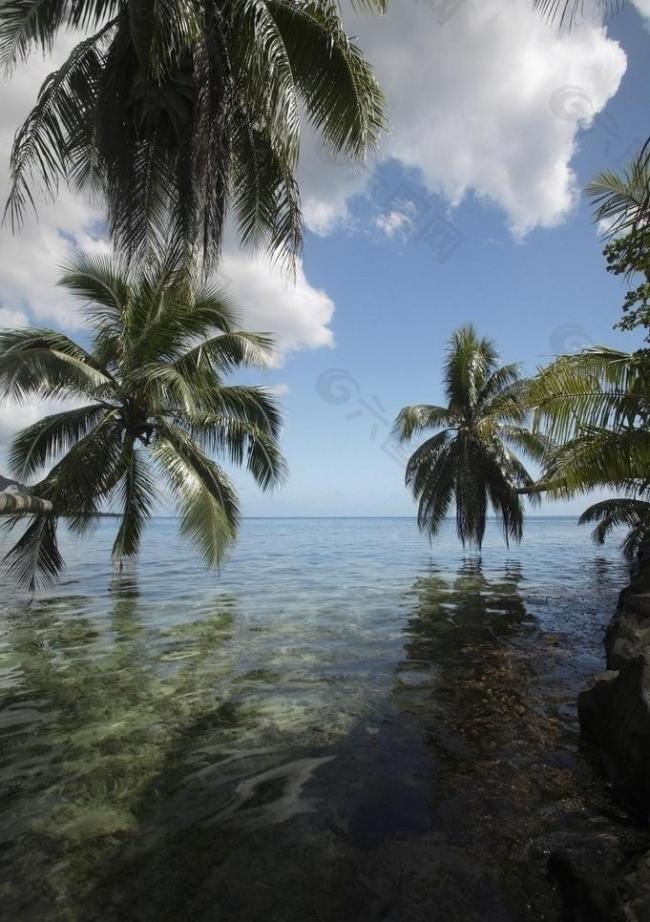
(633, 514)
(566, 11)
(622, 200)
(174, 110)
(473, 458)
(596, 406)
(155, 406)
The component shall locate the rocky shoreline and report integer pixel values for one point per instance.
(608, 879)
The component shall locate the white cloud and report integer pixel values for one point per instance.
(327, 184)
(9, 318)
(296, 313)
(473, 100)
(279, 390)
(392, 223)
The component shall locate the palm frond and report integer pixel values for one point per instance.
(413, 420)
(39, 445)
(137, 495)
(622, 200)
(47, 363)
(597, 387)
(42, 144)
(634, 514)
(598, 457)
(206, 500)
(241, 442)
(35, 560)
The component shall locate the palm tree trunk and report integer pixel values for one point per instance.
(23, 502)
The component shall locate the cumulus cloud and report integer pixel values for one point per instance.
(473, 92)
(295, 312)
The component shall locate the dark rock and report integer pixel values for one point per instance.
(614, 716)
(614, 710)
(603, 879)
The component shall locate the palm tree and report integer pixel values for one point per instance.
(596, 407)
(154, 406)
(176, 111)
(472, 458)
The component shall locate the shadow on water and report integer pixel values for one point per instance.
(141, 782)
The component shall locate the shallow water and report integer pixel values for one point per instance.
(344, 724)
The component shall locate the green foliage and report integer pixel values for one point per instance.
(152, 387)
(176, 111)
(596, 405)
(627, 256)
(473, 458)
(623, 203)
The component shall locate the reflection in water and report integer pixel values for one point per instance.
(460, 655)
(93, 710)
(397, 742)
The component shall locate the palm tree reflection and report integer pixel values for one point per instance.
(464, 675)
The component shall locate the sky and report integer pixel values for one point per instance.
(471, 211)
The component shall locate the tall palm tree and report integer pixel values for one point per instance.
(154, 407)
(472, 458)
(173, 111)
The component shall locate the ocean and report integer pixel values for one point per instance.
(345, 722)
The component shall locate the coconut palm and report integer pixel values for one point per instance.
(472, 458)
(153, 407)
(173, 111)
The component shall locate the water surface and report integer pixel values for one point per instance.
(346, 723)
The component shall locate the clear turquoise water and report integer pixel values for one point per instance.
(344, 724)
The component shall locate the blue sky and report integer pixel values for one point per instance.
(496, 121)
